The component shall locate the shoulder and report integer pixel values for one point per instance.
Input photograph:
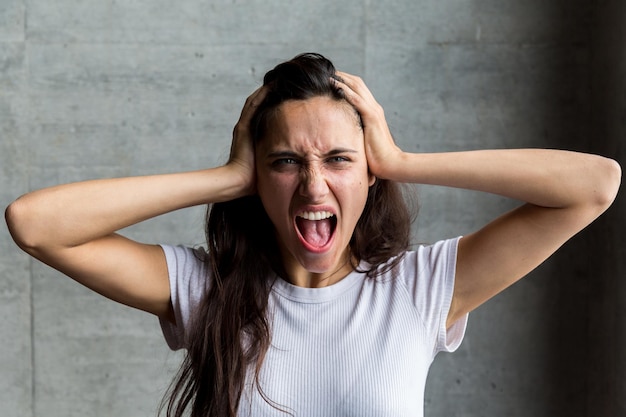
(424, 261)
(426, 273)
(188, 269)
(184, 258)
(189, 279)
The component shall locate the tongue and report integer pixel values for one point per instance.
(315, 232)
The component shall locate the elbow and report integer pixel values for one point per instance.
(18, 220)
(608, 182)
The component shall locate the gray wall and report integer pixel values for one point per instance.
(102, 88)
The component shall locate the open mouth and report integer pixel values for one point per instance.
(316, 228)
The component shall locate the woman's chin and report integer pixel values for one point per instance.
(329, 263)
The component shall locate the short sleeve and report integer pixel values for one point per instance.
(188, 281)
(429, 274)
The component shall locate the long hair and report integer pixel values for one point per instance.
(230, 331)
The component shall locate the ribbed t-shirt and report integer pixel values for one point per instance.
(360, 347)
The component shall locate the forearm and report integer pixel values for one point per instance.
(547, 178)
(73, 214)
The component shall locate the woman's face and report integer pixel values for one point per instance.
(313, 180)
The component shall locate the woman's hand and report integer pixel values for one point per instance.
(563, 191)
(242, 148)
(380, 148)
(73, 227)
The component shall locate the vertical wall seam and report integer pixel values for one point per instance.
(31, 277)
(24, 21)
(31, 296)
(33, 391)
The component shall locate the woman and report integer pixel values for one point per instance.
(307, 301)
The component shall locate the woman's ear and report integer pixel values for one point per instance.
(372, 178)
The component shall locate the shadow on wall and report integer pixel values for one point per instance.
(587, 367)
(606, 331)
(565, 278)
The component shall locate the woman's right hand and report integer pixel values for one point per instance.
(72, 227)
(242, 147)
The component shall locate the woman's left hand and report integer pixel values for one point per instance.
(380, 148)
(564, 192)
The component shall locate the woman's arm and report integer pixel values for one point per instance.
(563, 191)
(72, 227)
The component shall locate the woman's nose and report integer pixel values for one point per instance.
(313, 184)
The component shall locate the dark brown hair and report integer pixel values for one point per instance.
(230, 331)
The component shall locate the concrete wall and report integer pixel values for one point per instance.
(607, 325)
(102, 88)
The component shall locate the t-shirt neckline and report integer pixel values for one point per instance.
(318, 295)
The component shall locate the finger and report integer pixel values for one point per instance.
(253, 101)
(355, 83)
(257, 96)
(340, 80)
(350, 92)
(357, 93)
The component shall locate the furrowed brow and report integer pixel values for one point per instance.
(282, 154)
(338, 151)
(291, 154)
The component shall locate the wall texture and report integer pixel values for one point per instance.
(606, 332)
(93, 89)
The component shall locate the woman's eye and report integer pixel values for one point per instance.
(284, 161)
(336, 159)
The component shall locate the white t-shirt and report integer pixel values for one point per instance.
(361, 347)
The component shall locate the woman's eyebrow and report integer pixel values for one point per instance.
(291, 154)
(281, 154)
(337, 151)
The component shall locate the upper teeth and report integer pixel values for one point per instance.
(315, 215)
